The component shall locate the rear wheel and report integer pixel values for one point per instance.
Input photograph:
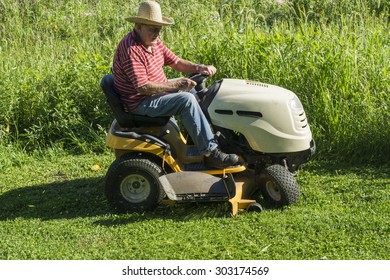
(132, 184)
(279, 186)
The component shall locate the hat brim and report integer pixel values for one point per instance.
(142, 20)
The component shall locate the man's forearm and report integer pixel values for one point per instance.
(151, 88)
(186, 66)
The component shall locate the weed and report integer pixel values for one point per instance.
(333, 54)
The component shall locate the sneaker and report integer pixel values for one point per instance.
(220, 160)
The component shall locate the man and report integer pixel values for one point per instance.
(141, 83)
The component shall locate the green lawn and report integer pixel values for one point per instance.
(53, 207)
(332, 54)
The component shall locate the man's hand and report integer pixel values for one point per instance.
(209, 70)
(184, 84)
(185, 66)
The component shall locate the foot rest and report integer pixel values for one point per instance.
(199, 166)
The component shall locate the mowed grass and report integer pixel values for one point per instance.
(333, 54)
(53, 207)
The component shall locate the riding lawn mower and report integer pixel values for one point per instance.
(265, 125)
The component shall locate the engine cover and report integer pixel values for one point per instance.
(271, 118)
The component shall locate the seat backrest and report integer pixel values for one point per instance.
(126, 119)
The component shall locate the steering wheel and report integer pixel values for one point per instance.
(200, 87)
(199, 78)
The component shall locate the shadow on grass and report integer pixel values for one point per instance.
(181, 212)
(59, 200)
(81, 198)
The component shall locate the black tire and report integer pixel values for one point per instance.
(254, 207)
(279, 186)
(132, 184)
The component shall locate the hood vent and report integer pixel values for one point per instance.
(258, 84)
(250, 114)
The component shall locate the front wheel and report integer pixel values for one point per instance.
(278, 186)
(132, 184)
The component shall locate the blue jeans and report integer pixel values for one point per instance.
(184, 105)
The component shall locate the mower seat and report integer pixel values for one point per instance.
(126, 119)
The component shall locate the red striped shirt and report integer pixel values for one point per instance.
(134, 66)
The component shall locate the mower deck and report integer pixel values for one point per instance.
(202, 187)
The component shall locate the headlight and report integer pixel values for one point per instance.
(295, 104)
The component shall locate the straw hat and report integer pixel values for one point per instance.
(149, 12)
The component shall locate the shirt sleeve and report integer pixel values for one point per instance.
(169, 56)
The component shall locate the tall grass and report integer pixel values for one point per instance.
(333, 54)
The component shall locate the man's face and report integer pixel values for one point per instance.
(149, 34)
